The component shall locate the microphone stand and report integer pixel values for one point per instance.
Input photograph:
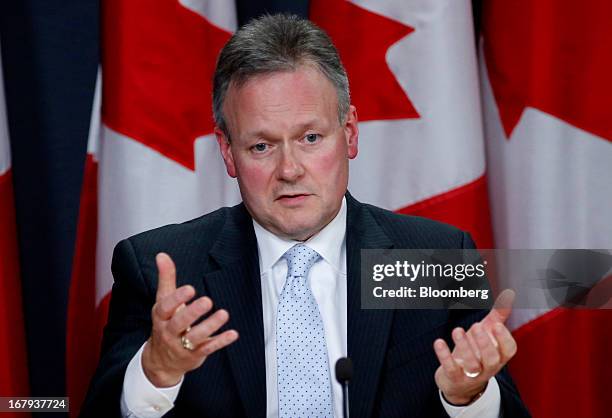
(344, 373)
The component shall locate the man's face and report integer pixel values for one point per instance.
(288, 150)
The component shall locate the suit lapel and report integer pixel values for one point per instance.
(236, 286)
(368, 330)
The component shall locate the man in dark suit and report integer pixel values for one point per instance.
(285, 265)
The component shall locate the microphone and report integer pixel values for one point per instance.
(344, 373)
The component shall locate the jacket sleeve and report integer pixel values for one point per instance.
(128, 327)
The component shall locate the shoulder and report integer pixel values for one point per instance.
(195, 236)
(409, 231)
(206, 226)
(188, 244)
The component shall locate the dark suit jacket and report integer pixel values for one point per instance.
(392, 352)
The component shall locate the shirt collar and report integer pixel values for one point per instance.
(328, 242)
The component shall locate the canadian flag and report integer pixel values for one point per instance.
(152, 158)
(13, 358)
(547, 95)
(413, 75)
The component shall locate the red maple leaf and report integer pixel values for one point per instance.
(552, 55)
(158, 61)
(363, 38)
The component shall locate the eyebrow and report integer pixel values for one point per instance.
(263, 133)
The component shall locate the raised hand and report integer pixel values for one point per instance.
(175, 348)
(478, 355)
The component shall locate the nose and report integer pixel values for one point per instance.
(290, 167)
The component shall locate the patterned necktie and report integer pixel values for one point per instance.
(304, 387)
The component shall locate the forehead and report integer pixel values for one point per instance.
(281, 98)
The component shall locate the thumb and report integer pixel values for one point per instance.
(503, 306)
(167, 275)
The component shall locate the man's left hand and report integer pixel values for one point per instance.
(479, 354)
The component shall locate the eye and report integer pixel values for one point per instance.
(312, 138)
(260, 147)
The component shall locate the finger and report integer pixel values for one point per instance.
(507, 344)
(470, 337)
(204, 330)
(450, 367)
(487, 326)
(217, 342)
(490, 359)
(463, 353)
(183, 318)
(502, 308)
(167, 306)
(166, 275)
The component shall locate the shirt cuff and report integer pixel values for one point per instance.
(487, 406)
(140, 398)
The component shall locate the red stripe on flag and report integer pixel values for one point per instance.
(13, 358)
(562, 366)
(556, 59)
(85, 320)
(466, 207)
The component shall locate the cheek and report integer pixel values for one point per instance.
(255, 178)
(333, 164)
(328, 164)
(330, 172)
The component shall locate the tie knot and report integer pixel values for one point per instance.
(300, 259)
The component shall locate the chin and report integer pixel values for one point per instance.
(299, 232)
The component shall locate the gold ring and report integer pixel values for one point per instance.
(471, 374)
(186, 343)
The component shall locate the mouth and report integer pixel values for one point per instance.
(292, 198)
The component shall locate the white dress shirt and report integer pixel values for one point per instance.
(327, 278)
(328, 282)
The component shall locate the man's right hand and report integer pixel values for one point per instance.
(164, 359)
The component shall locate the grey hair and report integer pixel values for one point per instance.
(274, 43)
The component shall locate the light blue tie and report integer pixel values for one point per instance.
(304, 388)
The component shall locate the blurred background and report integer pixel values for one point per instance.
(494, 116)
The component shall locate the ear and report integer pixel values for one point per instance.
(351, 132)
(226, 151)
